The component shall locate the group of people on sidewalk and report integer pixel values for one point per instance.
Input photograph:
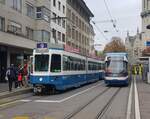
(17, 75)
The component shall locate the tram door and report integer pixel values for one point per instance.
(31, 65)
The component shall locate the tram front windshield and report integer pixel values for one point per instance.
(41, 63)
(116, 68)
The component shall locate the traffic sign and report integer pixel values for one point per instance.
(42, 45)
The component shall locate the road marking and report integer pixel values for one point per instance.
(25, 100)
(129, 101)
(137, 109)
(60, 101)
(21, 117)
(9, 103)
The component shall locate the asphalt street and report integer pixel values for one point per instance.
(60, 106)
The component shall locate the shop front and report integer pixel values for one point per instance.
(12, 55)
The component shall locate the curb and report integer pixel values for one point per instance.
(15, 92)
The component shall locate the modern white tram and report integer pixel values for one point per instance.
(116, 69)
(56, 69)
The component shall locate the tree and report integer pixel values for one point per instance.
(116, 45)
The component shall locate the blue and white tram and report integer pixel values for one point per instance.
(59, 70)
(116, 69)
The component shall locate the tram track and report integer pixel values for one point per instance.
(106, 107)
(102, 112)
(78, 110)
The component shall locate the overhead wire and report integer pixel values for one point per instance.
(111, 17)
(99, 30)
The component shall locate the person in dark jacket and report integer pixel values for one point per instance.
(10, 73)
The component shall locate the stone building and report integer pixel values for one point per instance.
(23, 23)
(78, 25)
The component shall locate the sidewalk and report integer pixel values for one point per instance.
(3, 87)
(4, 93)
(144, 98)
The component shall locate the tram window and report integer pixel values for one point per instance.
(41, 62)
(66, 65)
(55, 63)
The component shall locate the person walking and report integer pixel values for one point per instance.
(20, 83)
(134, 71)
(10, 73)
(25, 73)
(141, 71)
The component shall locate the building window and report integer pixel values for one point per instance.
(63, 9)
(46, 36)
(30, 10)
(59, 36)
(2, 1)
(30, 33)
(63, 23)
(59, 5)
(54, 3)
(14, 28)
(59, 21)
(63, 38)
(73, 18)
(43, 13)
(54, 16)
(73, 33)
(54, 34)
(2, 24)
(16, 4)
(42, 35)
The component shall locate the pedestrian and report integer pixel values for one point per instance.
(25, 75)
(10, 73)
(134, 70)
(141, 71)
(20, 83)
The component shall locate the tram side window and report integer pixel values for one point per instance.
(65, 63)
(55, 63)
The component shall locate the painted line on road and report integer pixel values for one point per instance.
(25, 100)
(48, 101)
(137, 108)
(65, 99)
(9, 103)
(130, 101)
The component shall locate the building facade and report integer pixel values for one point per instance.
(145, 15)
(58, 21)
(78, 26)
(22, 24)
(133, 47)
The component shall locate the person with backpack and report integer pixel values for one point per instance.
(10, 73)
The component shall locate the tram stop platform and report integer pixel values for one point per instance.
(144, 97)
(4, 93)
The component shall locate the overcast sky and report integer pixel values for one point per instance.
(126, 13)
